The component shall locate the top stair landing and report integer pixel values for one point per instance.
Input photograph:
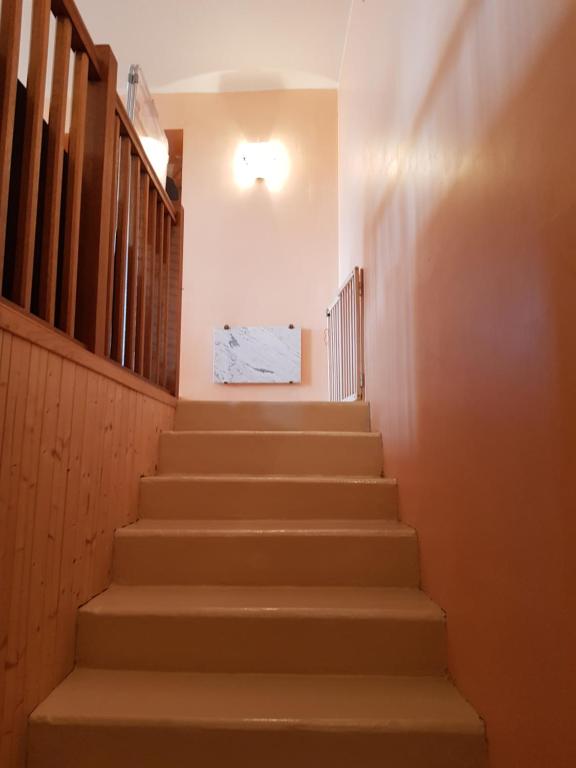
(204, 416)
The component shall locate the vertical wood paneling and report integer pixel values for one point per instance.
(10, 27)
(10, 466)
(18, 618)
(28, 208)
(54, 166)
(73, 444)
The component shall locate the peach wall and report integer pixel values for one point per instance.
(252, 256)
(457, 129)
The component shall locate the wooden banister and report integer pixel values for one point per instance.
(30, 175)
(10, 27)
(95, 243)
(128, 130)
(67, 320)
(97, 191)
(54, 169)
(133, 259)
(121, 256)
(81, 39)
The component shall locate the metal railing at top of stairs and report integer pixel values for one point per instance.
(345, 338)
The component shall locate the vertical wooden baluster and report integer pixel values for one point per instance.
(177, 246)
(142, 274)
(165, 300)
(54, 167)
(112, 237)
(156, 350)
(67, 317)
(133, 259)
(151, 280)
(97, 191)
(28, 204)
(10, 27)
(121, 260)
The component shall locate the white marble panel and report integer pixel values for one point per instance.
(258, 355)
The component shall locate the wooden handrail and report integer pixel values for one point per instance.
(127, 128)
(89, 238)
(81, 39)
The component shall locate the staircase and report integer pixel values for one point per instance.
(265, 612)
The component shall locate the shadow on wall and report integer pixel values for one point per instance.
(475, 381)
(262, 126)
(394, 238)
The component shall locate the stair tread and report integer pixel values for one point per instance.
(272, 602)
(264, 701)
(295, 404)
(282, 434)
(262, 479)
(322, 527)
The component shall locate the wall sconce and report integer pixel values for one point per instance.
(261, 161)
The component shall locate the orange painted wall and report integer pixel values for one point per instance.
(252, 256)
(457, 129)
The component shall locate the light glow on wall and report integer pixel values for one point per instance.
(157, 152)
(261, 161)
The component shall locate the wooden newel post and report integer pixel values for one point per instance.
(97, 190)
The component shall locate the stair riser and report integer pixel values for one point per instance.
(270, 454)
(82, 746)
(267, 560)
(262, 644)
(329, 417)
(209, 499)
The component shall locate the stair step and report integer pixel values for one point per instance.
(230, 496)
(299, 416)
(271, 453)
(267, 552)
(116, 719)
(263, 629)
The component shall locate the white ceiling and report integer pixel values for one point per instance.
(223, 45)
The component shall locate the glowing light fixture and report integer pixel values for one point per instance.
(261, 161)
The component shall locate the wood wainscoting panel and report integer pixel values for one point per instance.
(73, 444)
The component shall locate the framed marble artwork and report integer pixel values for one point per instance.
(268, 354)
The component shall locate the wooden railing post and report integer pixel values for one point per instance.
(30, 179)
(10, 26)
(97, 190)
(177, 258)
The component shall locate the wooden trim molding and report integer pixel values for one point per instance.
(18, 322)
